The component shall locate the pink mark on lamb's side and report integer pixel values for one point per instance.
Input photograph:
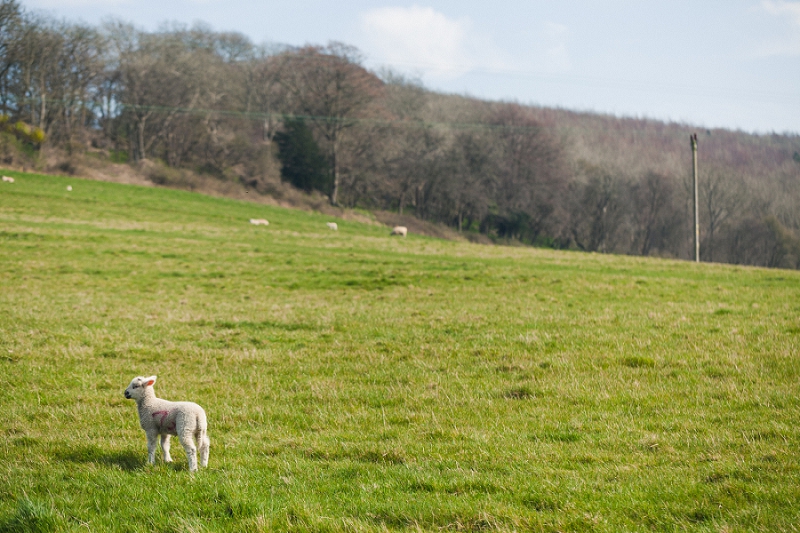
(162, 414)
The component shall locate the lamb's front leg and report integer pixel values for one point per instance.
(165, 448)
(152, 442)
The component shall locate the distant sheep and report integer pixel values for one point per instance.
(259, 221)
(399, 230)
(332, 225)
(186, 420)
(8, 179)
(69, 187)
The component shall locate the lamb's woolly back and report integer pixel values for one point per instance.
(159, 417)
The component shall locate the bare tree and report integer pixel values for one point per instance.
(597, 210)
(265, 94)
(35, 55)
(406, 163)
(9, 27)
(408, 146)
(330, 88)
(654, 210)
(80, 65)
(721, 196)
(763, 242)
(160, 80)
(469, 179)
(532, 177)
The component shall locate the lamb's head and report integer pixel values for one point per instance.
(136, 389)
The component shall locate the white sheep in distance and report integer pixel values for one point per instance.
(259, 221)
(399, 230)
(8, 179)
(332, 225)
(186, 420)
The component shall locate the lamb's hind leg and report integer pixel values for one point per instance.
(204, 445)
(187, 441)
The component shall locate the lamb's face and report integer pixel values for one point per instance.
(137, 387)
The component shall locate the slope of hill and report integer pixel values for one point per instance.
(357, 382)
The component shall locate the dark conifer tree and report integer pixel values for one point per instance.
(302, 163)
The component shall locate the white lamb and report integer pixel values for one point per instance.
(333, 225)
(399, 230)
(259, 221)
(186, 420)
(8, 179)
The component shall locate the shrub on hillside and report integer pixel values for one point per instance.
(22, 131)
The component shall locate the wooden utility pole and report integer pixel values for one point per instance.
(693, 139)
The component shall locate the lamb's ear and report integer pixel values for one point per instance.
(149, 382)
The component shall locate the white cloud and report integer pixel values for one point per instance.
(783, 8)
(428, 41)
(789, 45)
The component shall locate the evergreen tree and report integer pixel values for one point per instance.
(302, 162)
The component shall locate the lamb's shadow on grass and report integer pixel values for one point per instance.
(127, 460)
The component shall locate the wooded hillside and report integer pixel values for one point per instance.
(198, 104)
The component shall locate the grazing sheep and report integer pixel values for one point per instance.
(8, 179)
(69, 187)
(259, 221)
(186, 420)
(399, 230)
(332, 225)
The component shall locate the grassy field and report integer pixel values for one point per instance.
(357, 382)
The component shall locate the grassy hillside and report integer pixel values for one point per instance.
(357, 382)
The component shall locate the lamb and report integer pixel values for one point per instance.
(399, 230)
(259, 221)
(186, 420)
(8, 179)
(333, 226)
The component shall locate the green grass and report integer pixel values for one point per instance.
(356, 382)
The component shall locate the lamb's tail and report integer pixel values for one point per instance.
(201, 423)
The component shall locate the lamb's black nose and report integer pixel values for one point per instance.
(128, 395)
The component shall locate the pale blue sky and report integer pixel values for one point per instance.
(710, 63)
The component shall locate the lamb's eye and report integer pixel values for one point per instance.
(136, 386)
